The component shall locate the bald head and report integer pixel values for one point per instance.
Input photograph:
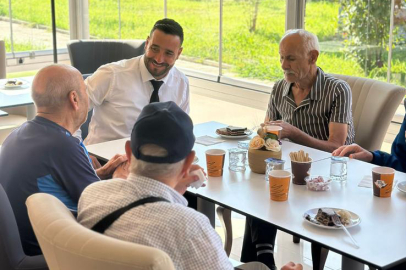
(52, 84)
(302, 39)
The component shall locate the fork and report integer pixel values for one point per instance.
(336, 220)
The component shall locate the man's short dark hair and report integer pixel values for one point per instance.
(170, 27)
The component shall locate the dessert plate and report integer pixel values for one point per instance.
(402, 186)
(355, 219)
(247, 133)
(24, 84)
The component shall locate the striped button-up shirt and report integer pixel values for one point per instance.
(183, 233)
(329, 100)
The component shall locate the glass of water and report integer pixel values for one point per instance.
(237, 159)
(273, 164)
(338, 169)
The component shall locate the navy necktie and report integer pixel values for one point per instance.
(156, 85)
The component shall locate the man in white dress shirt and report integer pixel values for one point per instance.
(147, 208)
(119, 91)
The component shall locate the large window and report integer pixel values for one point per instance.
(200, 22)
(123, 19)
(225, 39)
(355, 37)
(27, 31)
(31, 24)
(251, 33)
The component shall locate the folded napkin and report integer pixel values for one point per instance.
(208, 140)
(366, 182)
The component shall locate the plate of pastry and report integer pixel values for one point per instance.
(232, 132)
(15, 84)
(322, 217)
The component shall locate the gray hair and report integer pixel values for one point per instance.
(55, 83)
(154, 170)
(310, 40)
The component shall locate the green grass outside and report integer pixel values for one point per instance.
(251, 54)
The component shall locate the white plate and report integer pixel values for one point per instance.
(247, 133)
(402, 186)
(355, 219)
(21, 86)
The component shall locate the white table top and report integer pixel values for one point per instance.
(107, 150)
(381, 234)
(16, 97)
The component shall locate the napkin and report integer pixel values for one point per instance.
(208, 140)
(366, 181)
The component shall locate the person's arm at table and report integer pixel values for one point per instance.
(122, 170)
(354, 151)
(108, 169)
(377, 157)
(337, 131)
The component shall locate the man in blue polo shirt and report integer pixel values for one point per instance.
(43, 156)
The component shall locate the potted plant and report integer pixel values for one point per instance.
(265, 145)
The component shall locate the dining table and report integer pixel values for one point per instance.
(17, 96)
(380, 228)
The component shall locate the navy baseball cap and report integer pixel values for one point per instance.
(166, 125)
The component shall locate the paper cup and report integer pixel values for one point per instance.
(274, 129)
(279, 182)
(215, 162)
(382, 181)
(300, 170)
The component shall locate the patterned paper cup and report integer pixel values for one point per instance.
(215, 162)
(279, 182)
(300, 170)
(382, 181)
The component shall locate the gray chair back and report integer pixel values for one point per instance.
(12, 256)
(88, 55)
(373, 105)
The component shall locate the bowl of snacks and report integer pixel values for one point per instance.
(318, 182)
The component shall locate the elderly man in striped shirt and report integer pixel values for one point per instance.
(313, 108)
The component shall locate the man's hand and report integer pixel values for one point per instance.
(187, 179)
(288, 131)
(107, 170)
(354, 151)
(95, 163)
(292, 266)
(122, 170)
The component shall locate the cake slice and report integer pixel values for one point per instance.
(235, 131)
(324, 216)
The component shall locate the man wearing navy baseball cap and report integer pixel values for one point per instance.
(148, 208)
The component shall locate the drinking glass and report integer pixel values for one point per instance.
(338, 169)
(273, 164)
(237, 159)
